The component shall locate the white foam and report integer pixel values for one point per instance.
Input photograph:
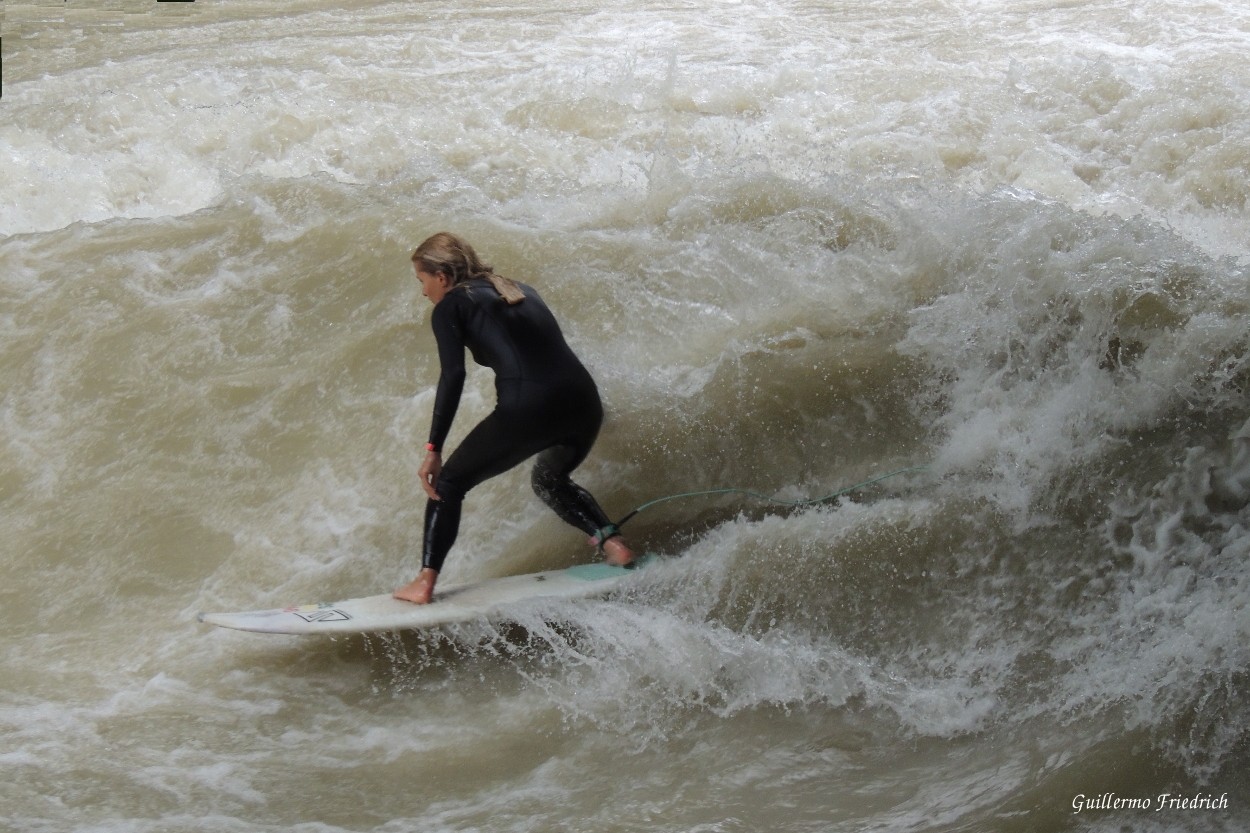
(793, 242)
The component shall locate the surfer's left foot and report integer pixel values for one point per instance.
(617, 553)
(420, 590)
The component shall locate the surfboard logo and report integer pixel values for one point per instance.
(320, 613)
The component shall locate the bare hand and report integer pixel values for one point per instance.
(429, 471)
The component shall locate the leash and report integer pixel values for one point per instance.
(613, 529)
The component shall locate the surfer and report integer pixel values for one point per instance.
(546, 403)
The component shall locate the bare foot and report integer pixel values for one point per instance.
(420, 590)
(617, 553)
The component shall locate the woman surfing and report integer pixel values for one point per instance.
(547, 404)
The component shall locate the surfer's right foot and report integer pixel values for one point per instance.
(617, 553)
(420, 590)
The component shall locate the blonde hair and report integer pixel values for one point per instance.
(446, 254)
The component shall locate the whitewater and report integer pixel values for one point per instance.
(1001, 246)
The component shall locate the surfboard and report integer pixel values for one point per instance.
(489, 598)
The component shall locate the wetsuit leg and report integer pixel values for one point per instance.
(571, 502)
(488, 450)
(442, 524)
(561, 425)
(582, 416)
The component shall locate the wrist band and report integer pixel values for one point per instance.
(431, 447)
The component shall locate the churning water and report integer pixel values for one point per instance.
(800, 244)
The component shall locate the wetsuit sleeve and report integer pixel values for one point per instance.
(449, 335)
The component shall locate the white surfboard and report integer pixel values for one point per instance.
(480, 599)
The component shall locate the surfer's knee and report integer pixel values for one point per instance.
(552, 468)
(449, 491)
(545, 480)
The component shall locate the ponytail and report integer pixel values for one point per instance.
(507, 288)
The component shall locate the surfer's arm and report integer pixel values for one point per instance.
(448, 335)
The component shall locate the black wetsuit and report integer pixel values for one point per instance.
(547, 404)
